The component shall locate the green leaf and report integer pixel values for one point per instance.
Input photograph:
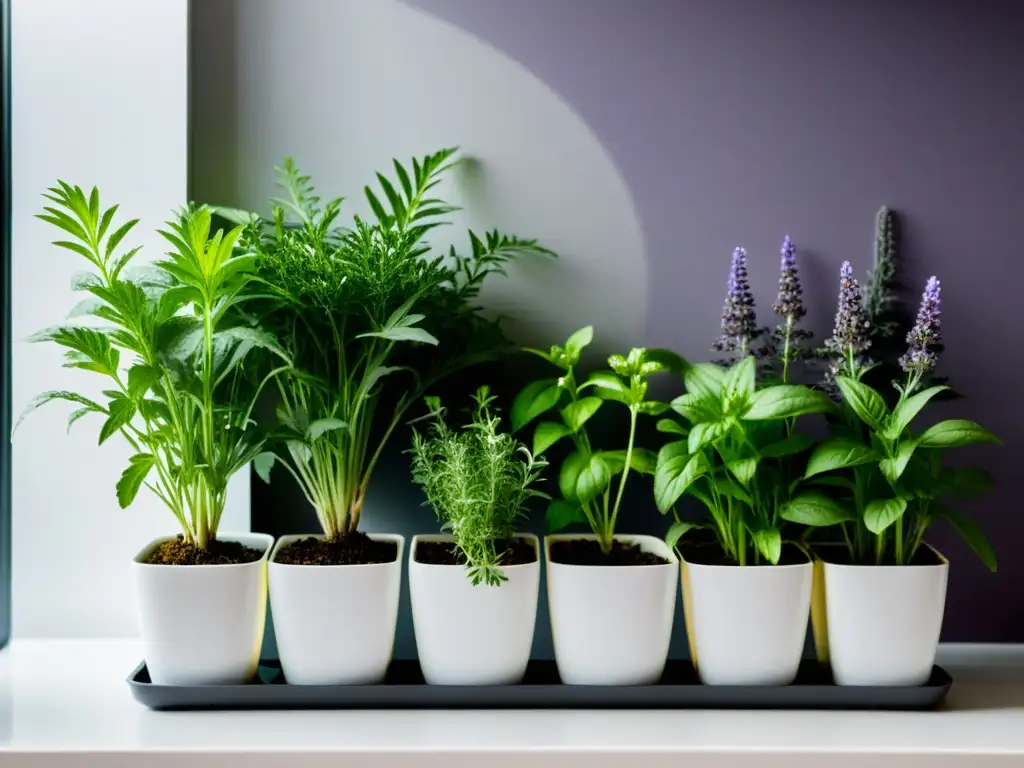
(881, 513)
(570, 472)
(704, 434)
(678, 530)
(561, 514)
(839, 453)
(674, 474)
(786, 401)
(319, 427)
(864, 401)
(697, 408)
(795, 443)
(971, 533)
(593, 480)
(121, 412)
(402, 333)
(672, 427)
(643, 460)
(907, 410)
(547, 434)
(769, 543)
(704, 380)
(669, 361)
(133, 477)
(743, 470)
(727, 487)
(55, 395)
(263, 463)
(578, 341)
(954, 433)
(536, 398)
(815, 509)
(577, 413)
(892, 468)
(740, 380)
(607, 385)
(140, 379)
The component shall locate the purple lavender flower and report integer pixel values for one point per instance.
(925, 339)
(738, 321)
(790, 302)
(849, 339)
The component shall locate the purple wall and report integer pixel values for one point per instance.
(738, 121)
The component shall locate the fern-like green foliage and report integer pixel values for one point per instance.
(478, 480)
(170, 342)
(366, 310)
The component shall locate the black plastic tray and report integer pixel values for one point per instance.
(404, 688)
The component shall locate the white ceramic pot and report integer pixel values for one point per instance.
(335, 624)
(611, 625)
(473, 635)
(746, 624)
(884, 621)
(202, 624)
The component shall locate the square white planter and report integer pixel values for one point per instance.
(611, 625)
(335, 624)
(746, 624)
(884, 621)
(473, 635)
(202, 624)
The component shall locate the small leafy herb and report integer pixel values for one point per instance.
(894, 478)
(587, 479)
(478, 481)
(172, 345)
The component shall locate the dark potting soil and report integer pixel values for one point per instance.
(179, 552)
(712, 554)
(840, 555)
(516, 552)
(349, 549)
(588, 552)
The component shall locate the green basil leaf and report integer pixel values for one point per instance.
(593, 479)
(815, 509)
(795, 443)
(704, 380)
(839, 453)
(892, 467)
(864, 401)
(678, 530)
(908, 409)
(704, 434)
(536, 398)
(672, 427)
(743, 470)
(786, 401)
(570, 473)
(547, 434)
(673, 475)
(881, 513)
(561, 514)
(577, 413)
(263, 463)
(955, 433)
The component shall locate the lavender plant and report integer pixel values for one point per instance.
(790, 338)
(739, 321)
(478, 480)
(587, 479)
(737, 446)
(894, 477)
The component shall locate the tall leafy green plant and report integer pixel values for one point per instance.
(371, 315)
(170, 342)
(591, 481)
(892, 477)
(478, 481)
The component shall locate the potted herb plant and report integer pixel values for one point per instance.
(611, 596)
(884, 595)
(747, 592)
(474, 588)
(170, 344)
(372, 321)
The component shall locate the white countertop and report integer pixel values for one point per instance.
(66, 703)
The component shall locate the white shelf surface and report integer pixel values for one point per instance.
(66, 703)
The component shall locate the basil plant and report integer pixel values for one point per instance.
(170, 344)
(591, 481)
(735, 447)
(891, 478)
